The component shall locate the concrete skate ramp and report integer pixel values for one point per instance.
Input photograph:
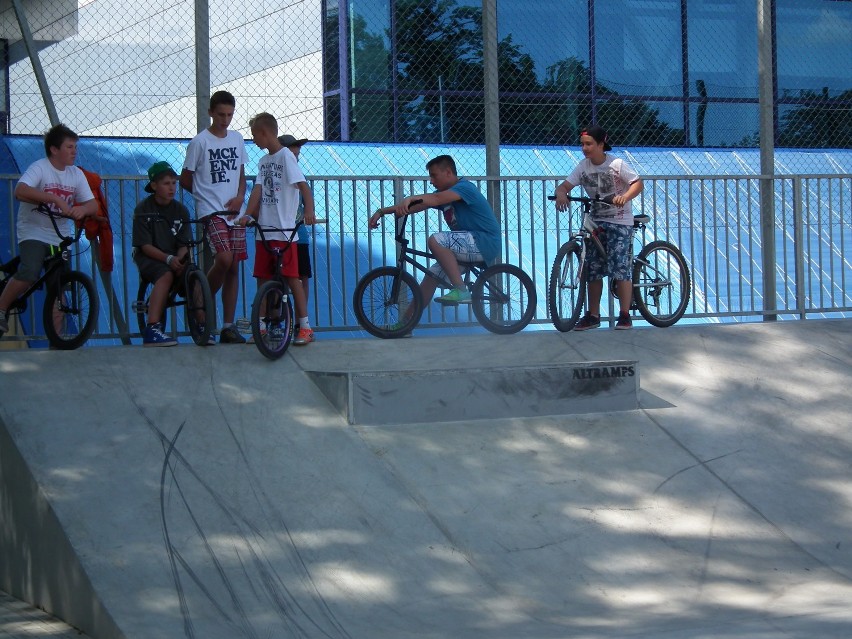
(476, 392)
(211, 493)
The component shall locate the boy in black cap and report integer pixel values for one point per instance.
(160, 245)
(603, 175)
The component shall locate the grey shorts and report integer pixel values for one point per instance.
(462, 244)
(619, 254)
(33, 254)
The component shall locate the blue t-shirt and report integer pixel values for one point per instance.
(473, 213)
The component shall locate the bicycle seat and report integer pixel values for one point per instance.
(641, 219)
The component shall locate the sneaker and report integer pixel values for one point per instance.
(211, 339)
(587, 322)
(624, 322)
(398, 326)
(154, 336)
(456, 296)
(229, 335)
(4, 322)
(305, 336)
(278, 333)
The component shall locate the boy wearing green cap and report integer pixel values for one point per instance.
(160, 236)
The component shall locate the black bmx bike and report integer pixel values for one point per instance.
(388, 301)
(191, 290)
(70, 309)
(272, 316)
(661, 280)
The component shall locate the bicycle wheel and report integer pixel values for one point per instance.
(199, 306)
(567, 291)
(503, 299)
(70, 311)
(272, 320)
(661, 283)
(387, 302)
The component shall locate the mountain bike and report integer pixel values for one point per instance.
(272, 315)
(388, 302)
(661, 280)
(191, 290)
(71, 303)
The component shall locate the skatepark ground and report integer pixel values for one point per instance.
(209, 492)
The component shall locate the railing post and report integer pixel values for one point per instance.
(766, 82)
(799, 246)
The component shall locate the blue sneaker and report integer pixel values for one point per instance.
(154, 336)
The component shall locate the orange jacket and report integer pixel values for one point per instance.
(99, 227)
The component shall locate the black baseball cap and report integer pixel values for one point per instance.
(598, 134)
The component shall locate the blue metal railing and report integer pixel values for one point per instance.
(715, 220)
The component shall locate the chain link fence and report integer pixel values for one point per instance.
(667, 73)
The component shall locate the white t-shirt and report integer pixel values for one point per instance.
(277, 177)
(612, 177)
(69, 184)
(215, 163)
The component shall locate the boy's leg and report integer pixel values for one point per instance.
(228, 244)
(32, 253)
(159, 297)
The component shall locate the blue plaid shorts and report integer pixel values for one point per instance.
(619, 254)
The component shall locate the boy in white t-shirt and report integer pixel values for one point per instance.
(604, 175)
(54, 181)
(274, 201)
(214, 172)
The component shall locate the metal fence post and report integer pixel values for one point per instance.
(766, 81)
(799, 247)
(492, 102)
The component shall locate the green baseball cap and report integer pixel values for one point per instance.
(157, 169)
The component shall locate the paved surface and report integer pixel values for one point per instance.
(20, 620)
(210, 493)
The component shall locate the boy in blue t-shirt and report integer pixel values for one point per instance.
(474, 233)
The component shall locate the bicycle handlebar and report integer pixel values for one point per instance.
(46, 210)
(585, 200)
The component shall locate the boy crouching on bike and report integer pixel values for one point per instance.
(54, 181)
(274, 201)
(160, 236)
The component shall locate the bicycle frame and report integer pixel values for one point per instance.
(406, 255)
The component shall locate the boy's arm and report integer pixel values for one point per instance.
(31, 195)
(236, 202)
(79, 211)
(308, 201)
(562, 192)
(185, 179)
(172, 261)
(632, 191)
(252, 208)
(406, 206)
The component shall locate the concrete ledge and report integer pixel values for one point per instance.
(407, 397)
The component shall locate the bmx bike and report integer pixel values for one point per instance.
(71, 304)
(191, 290)
(388, 301)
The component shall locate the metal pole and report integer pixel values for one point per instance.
(27, 36)
(766, 92)
(202, 64)
(492, 102)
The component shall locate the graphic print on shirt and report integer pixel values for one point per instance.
(450, 217)
(270, 176)
(221, 162)
(600, 184)
(63, 191)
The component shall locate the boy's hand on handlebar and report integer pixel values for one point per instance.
(561, 201)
